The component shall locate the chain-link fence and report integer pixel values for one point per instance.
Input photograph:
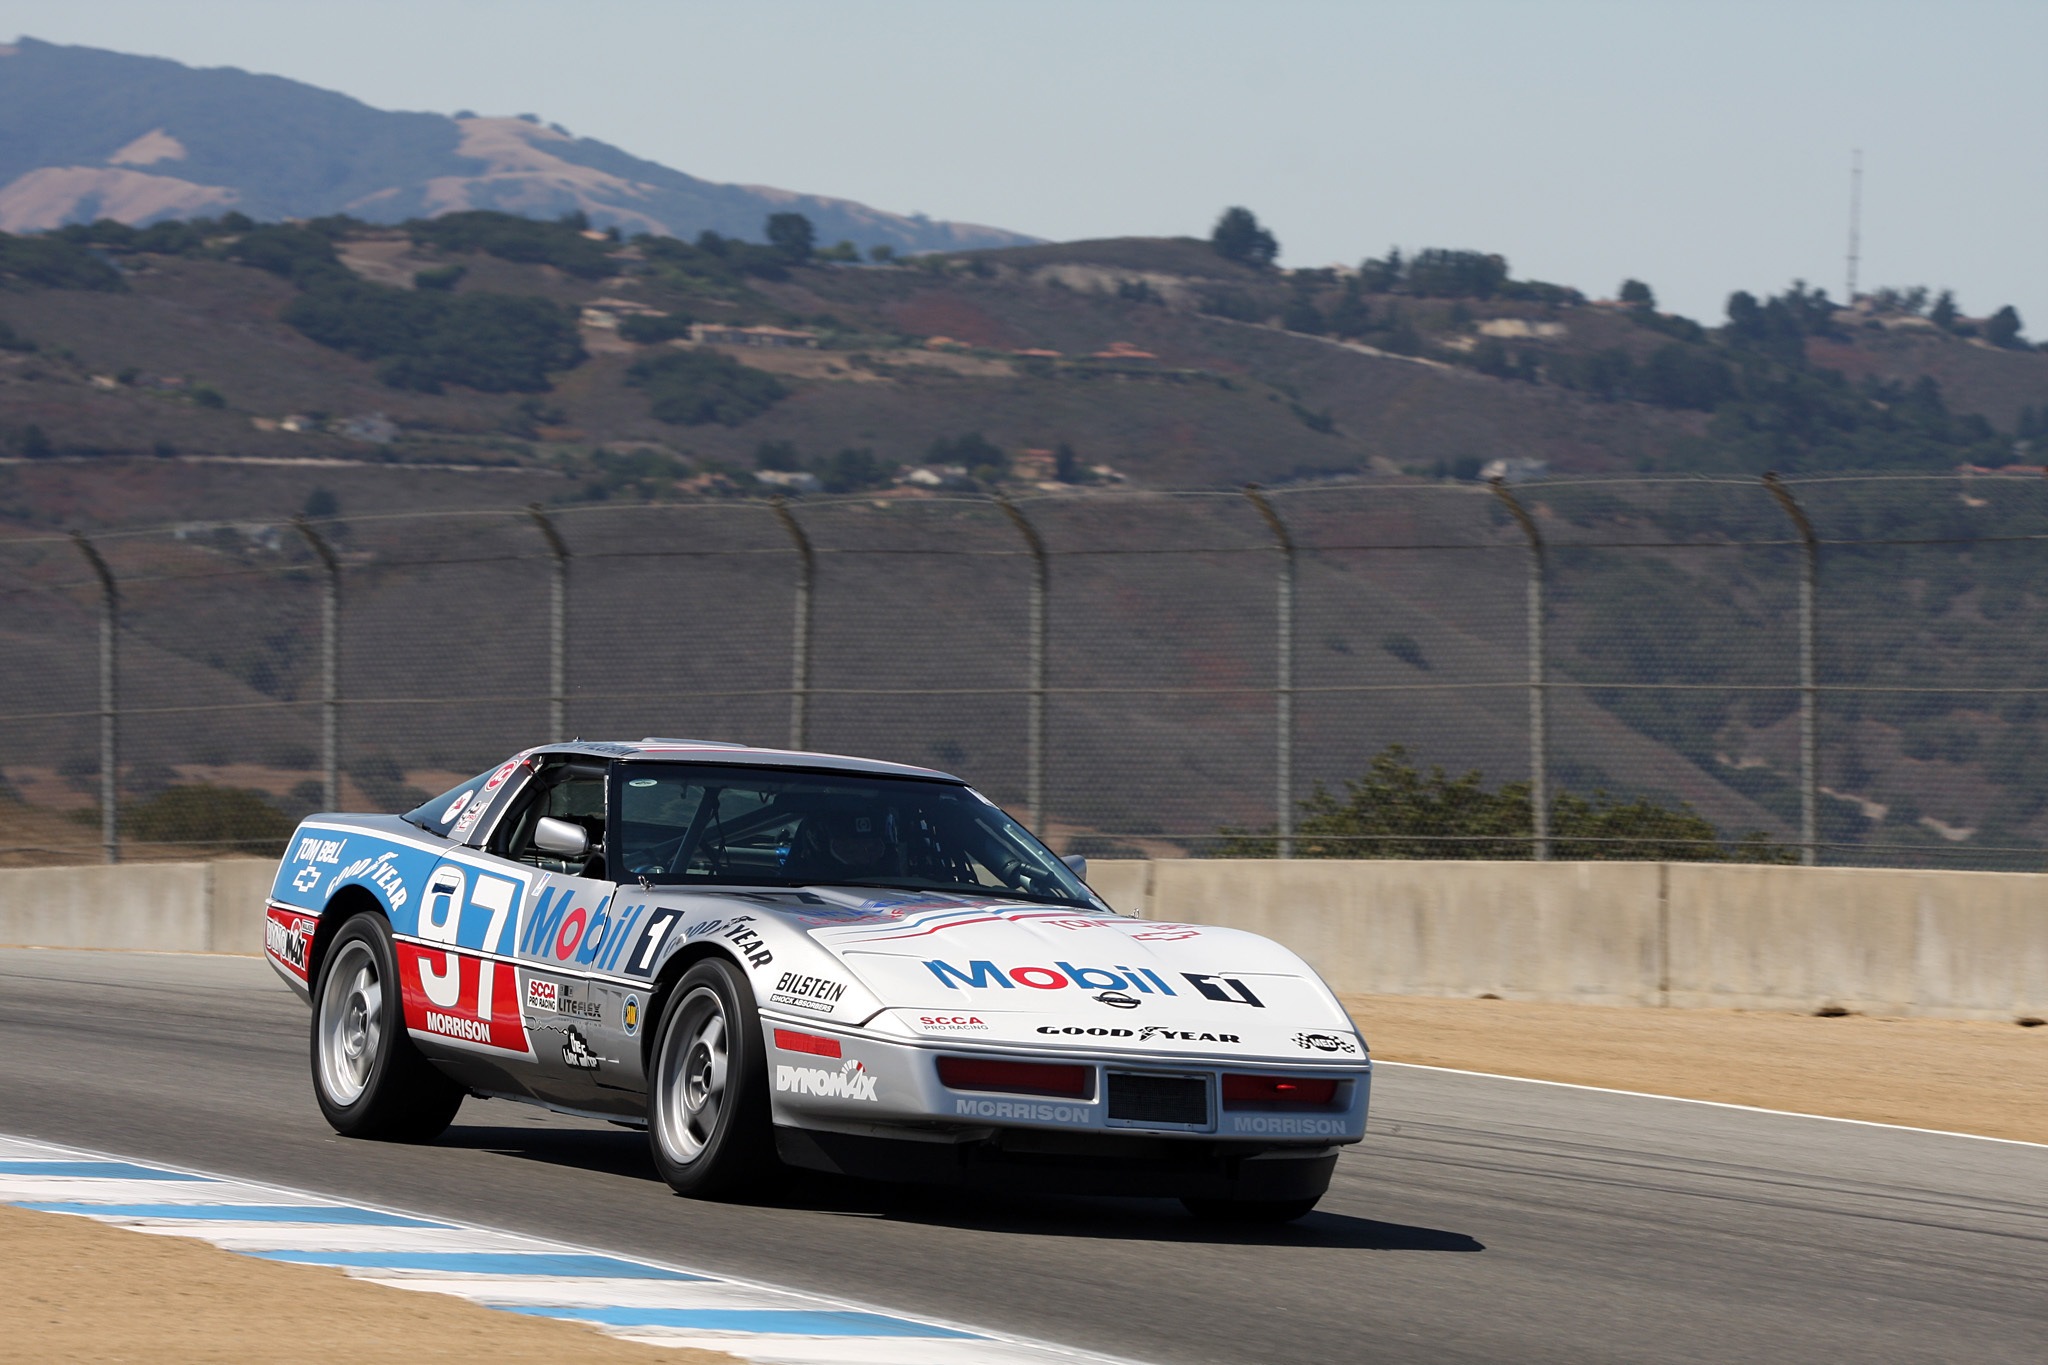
(1849, 666)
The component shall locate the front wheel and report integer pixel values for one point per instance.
(707, 1098)
(1248, 1210)
(369, 1078)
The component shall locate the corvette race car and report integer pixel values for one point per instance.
(772, 957)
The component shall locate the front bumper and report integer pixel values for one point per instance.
(855, 1083)
(1020, 1161)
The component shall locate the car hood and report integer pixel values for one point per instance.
(1006, 971)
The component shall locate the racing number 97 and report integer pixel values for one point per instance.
(441, 916)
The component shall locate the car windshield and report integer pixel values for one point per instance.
(687, 823)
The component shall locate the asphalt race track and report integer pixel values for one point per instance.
(1483, 1220)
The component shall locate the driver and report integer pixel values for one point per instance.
(846, 845)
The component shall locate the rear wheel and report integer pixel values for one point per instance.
(1248, 1210)
(369, 1078)
(707, 1097)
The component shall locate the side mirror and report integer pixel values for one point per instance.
(561, 838)
(1077, 865)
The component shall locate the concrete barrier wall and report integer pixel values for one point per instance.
(1960, 945)
(212, 907)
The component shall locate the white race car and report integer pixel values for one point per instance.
(777, 957)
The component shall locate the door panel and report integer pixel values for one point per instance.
(456, 1002)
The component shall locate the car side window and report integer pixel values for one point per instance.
(575, 795)
(439, 815)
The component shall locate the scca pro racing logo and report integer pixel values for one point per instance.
(851, 1081)
(983, 975)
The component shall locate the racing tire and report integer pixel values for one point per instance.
(1248, 1210)
(707, 1087)
(370, 1080)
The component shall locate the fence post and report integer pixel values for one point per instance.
(558, 626)
(1034, 715)
(800, 629)
(330, 664)
(1809, 697)
(1283, 675)
(1539, 717)
(110, 720)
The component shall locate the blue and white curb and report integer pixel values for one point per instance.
(639, 1300)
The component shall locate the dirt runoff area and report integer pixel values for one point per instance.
(1965, 1077)
(80, 1291)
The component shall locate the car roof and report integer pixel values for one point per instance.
(662, 749)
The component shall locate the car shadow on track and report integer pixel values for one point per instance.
(623, 1152)
(1146, 1220)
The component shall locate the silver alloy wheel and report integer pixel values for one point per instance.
(691, 1073)
(351, 1023)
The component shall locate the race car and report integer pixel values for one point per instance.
(773, 958)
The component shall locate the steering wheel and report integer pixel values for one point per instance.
(662, 862)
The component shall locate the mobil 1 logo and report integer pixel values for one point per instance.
(645, 954)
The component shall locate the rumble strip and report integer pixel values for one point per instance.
(639, 1300)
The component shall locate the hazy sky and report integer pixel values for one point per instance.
(1700, 146)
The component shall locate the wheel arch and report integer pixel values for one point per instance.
(344, 906)
(679, 962)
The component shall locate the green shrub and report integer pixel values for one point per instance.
(53, 263)
(305, 258)
(853, 471)
(201, 813)
(1397, 811)
(496, 343)
(694, 388)
(443, 278)
(647, 329)
(512, 238)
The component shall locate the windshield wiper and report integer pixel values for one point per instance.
(956, 889)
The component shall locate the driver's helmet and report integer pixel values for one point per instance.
(845, 841)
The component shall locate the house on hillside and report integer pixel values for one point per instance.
(718, 334)
(607, 312)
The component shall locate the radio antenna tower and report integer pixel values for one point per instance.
(1855, 219)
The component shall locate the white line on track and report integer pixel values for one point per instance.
(1712, 1104)
(633, 1297)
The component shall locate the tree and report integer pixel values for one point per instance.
(973, 452)
(2004, 329)
(792, 235)
(1238, 237)
(1351, 317)
(1439, 273)
(1302, 315)
(694, 388)
(1383, 275)
(852, 471)
(648, 329)
(1636, 294)
(201, 813)
(511, 238)
(1395, 810)
(1943, 314)
(778, 455)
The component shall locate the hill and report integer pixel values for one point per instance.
(222, 375)
(86, 134)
